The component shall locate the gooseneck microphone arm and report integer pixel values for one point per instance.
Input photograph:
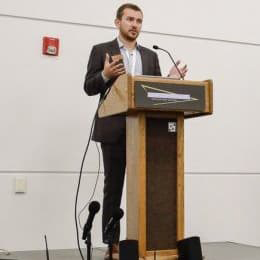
(156, 47)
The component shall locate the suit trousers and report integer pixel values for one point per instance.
(114, 159)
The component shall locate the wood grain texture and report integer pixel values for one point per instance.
(117, 99)
(136, 180)
(169, 80)
(121, 98)
(155, 166)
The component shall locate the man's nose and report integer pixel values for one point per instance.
(134, 23)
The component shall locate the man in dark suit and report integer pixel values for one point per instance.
(103, 69)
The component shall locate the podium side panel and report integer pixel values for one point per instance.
(136, 180)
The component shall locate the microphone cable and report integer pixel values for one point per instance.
(94, 190)
(80, 174)
(78, 186)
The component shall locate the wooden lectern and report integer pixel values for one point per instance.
(155, 109)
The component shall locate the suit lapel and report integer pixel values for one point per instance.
(114, 48)
(144, 60)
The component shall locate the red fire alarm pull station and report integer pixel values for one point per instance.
(50, 46)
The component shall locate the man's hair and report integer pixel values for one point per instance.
(120, 10)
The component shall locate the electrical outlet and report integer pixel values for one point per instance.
(20, 185)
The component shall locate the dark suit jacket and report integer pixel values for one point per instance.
(110, 129)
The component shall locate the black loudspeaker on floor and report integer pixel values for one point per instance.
(189, 249)
(128, 250)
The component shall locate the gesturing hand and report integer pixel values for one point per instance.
(113, 69)
(174, 72)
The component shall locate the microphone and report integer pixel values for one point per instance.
(156, 47)
(118, 214)
(93, 208)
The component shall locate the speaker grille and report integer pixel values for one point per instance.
(161, 185)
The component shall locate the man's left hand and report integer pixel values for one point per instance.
(174, 73)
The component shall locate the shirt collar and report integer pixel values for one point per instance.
(121, 45)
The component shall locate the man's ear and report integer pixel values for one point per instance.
(117, 22)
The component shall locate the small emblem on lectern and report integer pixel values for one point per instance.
(171, 127)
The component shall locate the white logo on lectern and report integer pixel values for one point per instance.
(172, 127)
(164, 97)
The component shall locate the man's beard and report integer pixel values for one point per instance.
(128, 37)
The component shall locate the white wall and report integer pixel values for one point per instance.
(223, 207)
(45, 116)
(230, 20)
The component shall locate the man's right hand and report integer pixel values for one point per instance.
(113, 69)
